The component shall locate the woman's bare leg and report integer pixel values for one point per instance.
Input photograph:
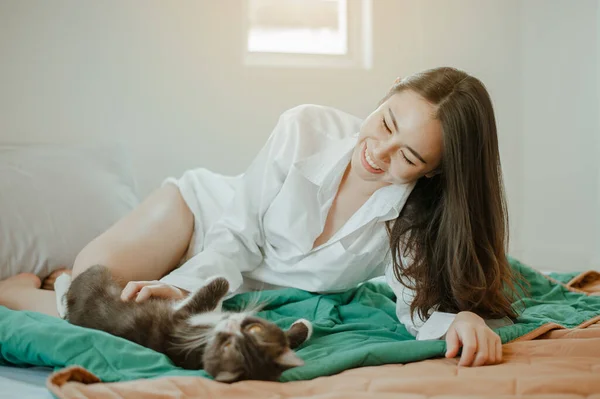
(148, 243)
(48, 282)
(145, 245)
(21, 292)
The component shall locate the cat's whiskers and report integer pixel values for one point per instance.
(254, 304)
(207, 319)
(191, 339)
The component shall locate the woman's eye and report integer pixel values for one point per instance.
(255, 328)
(406, 159)
(385, 125)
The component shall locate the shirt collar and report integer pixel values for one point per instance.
(320, 167)
(391, 199)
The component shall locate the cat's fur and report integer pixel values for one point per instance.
(192, 333)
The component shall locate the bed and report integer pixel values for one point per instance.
(358, 350)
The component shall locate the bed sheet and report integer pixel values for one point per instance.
(24, 383)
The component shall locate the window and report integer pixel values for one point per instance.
(300, 27)
(318, 33)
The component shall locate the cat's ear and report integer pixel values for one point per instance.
(299, 333)
(227, 376)
(289, 359)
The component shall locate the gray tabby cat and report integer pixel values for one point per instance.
(193, 333)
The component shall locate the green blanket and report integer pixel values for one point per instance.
(351, 329)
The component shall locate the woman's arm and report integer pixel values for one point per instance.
(481, 345)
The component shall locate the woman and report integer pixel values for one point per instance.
(416, 196)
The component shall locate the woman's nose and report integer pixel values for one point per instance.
(384, 150)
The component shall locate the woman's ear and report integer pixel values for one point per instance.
(434, 172)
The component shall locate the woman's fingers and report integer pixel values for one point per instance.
(132, 288)
(480, 344)
(470, 345)
(491, 348)
(498, 350)
(158, 291)
(482, 354)
(452, 343)
(144, 293)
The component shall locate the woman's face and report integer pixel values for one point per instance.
(399, 142)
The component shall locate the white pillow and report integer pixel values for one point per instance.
(56, 199)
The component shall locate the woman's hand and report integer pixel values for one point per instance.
(142, 290)
(480, 344)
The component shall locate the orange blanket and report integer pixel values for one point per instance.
(551, 362)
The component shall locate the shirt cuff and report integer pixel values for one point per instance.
(436, 326)
(439, 322)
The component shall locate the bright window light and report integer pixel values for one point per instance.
(298, 26)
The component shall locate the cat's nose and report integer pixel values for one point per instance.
(230, 326)
(233, 327)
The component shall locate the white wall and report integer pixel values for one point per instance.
(560, 132)
(167, 78)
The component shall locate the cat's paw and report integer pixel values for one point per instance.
(61, 287)
(219, 287)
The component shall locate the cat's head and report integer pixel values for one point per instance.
(245, 347)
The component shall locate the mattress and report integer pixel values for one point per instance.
(24, 383)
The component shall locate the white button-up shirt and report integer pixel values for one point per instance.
(265, 234)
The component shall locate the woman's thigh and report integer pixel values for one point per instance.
(147, 243)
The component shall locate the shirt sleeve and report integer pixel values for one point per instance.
(233, 243)
(404, 297)
(436, 325)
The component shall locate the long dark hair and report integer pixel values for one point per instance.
(453, 229)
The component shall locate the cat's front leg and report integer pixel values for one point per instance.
(206, 299)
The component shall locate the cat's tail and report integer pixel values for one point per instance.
(61, 287)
